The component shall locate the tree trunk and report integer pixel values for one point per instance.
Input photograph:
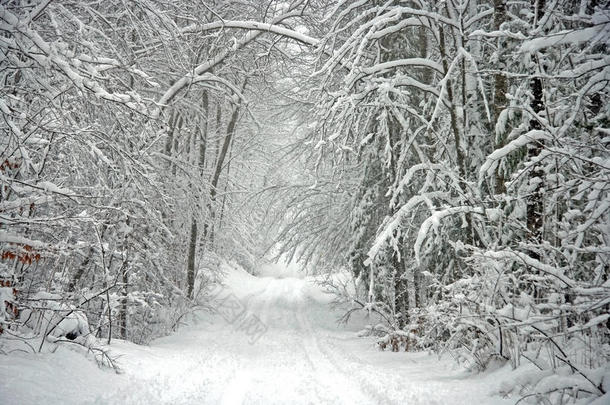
(123, 315)
(207, 228)
(178, 128)
(203, 134)
(500, 89)
(457, 136)
(534, 202)
(412, 287)
(123, 311)
(170, 133)
(85, 263)
(224, 197)
(190, 266)
(460, 158)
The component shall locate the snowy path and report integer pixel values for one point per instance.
(302, 358)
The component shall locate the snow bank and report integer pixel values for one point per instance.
(63, 377)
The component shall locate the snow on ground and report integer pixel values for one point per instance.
(300, 357)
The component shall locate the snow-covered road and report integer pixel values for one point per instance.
(303, 357)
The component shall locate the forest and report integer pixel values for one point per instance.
(451, 159)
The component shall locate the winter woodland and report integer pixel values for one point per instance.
(441, 168)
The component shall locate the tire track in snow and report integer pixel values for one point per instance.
(327, 372)
(350, 369)
(352, 366)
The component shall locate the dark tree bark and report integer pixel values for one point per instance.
(222, 155)
(190, 266)
(123, 314)
(535, 203)
(500, 89)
